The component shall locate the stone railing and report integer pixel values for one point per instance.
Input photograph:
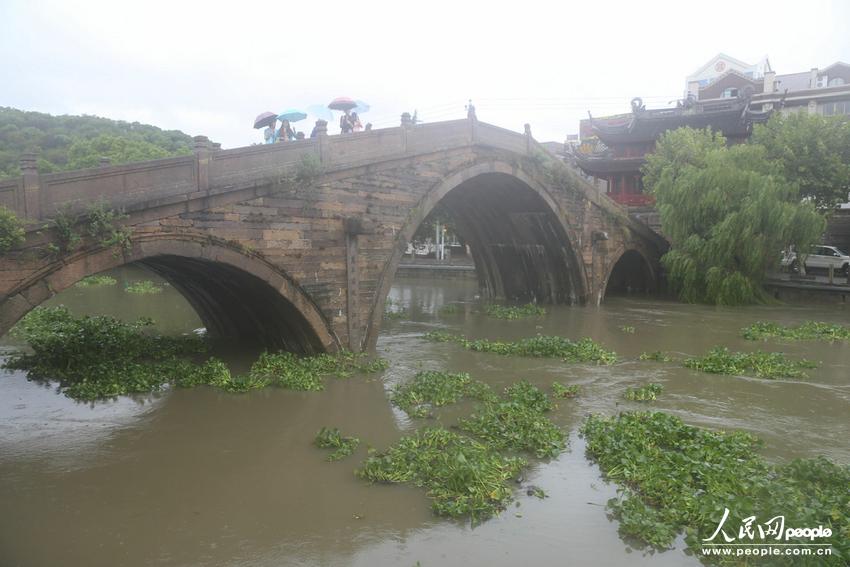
(212, 171)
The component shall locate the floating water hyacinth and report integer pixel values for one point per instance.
(720, 360)
(582, 350)
(808, 330)
(678, 478)
(514, 312)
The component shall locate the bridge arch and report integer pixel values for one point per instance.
(522, 244)
(631, 272)
(237, 294)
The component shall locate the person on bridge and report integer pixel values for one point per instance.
(270, 134)
(345, 124)
(285, 133)
(356, 125)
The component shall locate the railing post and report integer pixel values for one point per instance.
(31, 197)
(473, 127)
(321, 130)
(202, 162)
(473, 122)
(529, 139)
(406, 125)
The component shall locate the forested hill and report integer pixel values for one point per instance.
(74, 142)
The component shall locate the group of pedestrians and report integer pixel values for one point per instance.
(350, 122)
(283, 134)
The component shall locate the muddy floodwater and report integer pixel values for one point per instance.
(207, 478)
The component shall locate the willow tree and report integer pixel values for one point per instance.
(728, 211)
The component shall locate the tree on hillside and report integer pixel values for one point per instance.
(812, 151)
(87, 152)
(53, 138)
(727, 211)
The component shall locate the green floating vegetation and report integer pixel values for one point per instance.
(517, 423)
(395, 310)
(582, 350)
(293, 372)
(462, 476)
(442, 337)
(627, 329)
(537, 492)
(648, 393)
(144, 287)
(101, 357)
(561, 391)
(514, 312)
(468, 474)
(451, 309)
(720, 360)
(96, 281)
(434, 389)
(528, 395)
(655, 356)
(97, 357)
(675, 477)
(328, 438)
(807, 331)
(282, 370)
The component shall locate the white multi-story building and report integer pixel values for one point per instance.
(818, 91)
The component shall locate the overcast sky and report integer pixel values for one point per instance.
(209, 68)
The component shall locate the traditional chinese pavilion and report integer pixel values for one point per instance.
(614, 148)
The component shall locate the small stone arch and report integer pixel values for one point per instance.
(632, 272)
(236, 293)
(573, 268)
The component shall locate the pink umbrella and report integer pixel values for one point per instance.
(342, 103)
(264, 119)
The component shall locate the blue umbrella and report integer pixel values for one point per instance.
(361, 107)
(321, 111)
(292, 115)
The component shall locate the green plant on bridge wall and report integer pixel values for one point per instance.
(302, 176)
(103, 225)
(100, 222)
(11, 230)
(67, 239)
(307, 170)
(555, 170)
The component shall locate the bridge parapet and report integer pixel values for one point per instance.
(10, 190)
(214, 172)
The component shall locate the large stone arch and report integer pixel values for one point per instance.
(572, 268)
(237, 294)
(632, 267)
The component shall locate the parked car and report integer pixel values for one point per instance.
(819, 258)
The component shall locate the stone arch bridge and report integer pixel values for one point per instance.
(297, 244)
